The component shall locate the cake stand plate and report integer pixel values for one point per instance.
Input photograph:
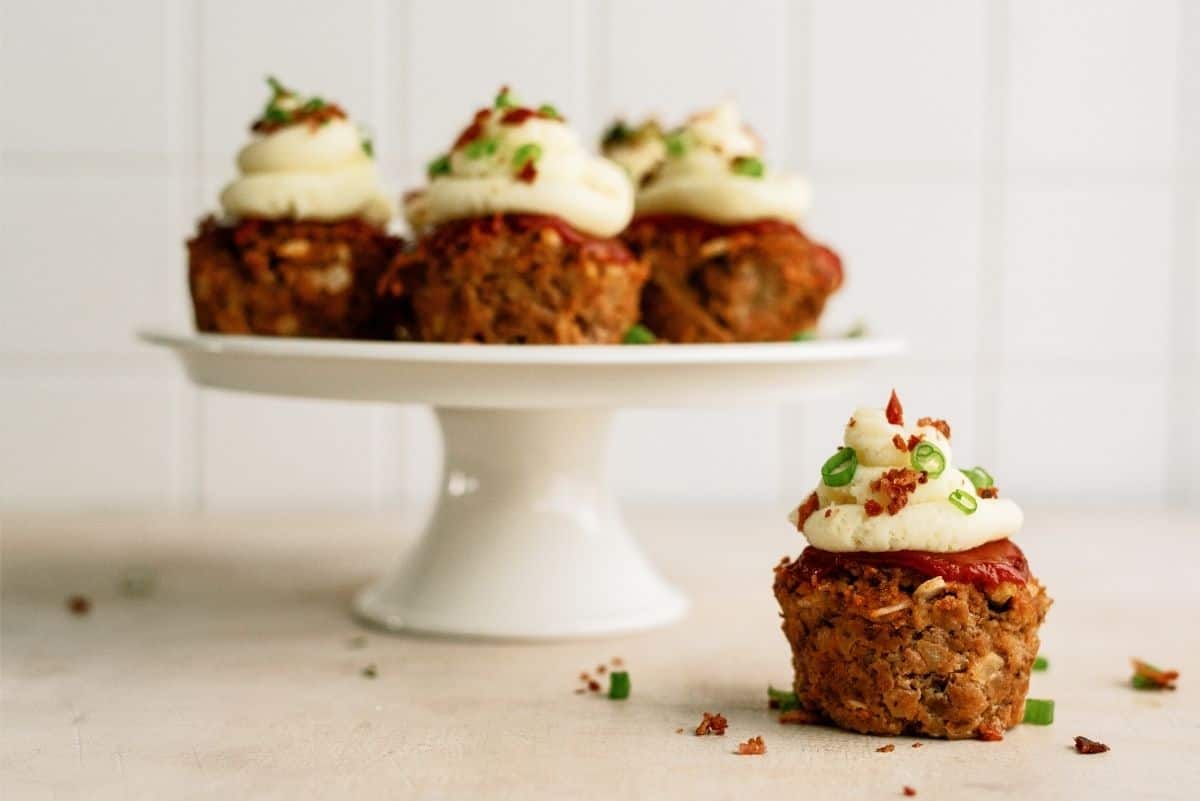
(527, 540)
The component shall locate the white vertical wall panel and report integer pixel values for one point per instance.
(897, 82)
(81, 76)
(1092, 83)
(1086, 273)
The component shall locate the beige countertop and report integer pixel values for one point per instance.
(235, 674)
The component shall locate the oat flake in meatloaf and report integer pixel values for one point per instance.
(911, 611)
(517, 278)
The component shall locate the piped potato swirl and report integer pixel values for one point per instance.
(897, 489)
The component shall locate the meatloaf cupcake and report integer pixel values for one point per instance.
(301, 244)
(718, 229)
(911, 611)
(517, 238)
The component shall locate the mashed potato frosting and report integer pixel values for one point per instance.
(900, 490)
(516, 159)
(711, 168)
(305, 165)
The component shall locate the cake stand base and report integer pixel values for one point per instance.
(527, 540)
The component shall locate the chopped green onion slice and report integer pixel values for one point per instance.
(782, 699)
(804, 336)
(1041, 663)
(276, 87)
(526, 153)
(482, 147)
(1039, 712)
(840, 468)
(547, 110)
(929, 459)
(313, 104)
(749, 166)
(979, 477)
(368, 147)
(676, 142)
(276, 114)
(638, 334)
(439, 166)
(618, 685)
(964, 501)
(505, 99)
(1140, 682)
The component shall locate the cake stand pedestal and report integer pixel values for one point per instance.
(527, 540)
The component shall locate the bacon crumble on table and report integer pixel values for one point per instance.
(79, 605)
(885, 749)
(712, 724)
(1083, 745)
(752, 747)
(797, 717)
(918, 745)
(909, 790)
(895, 412)
(940, 425)
(896, 485)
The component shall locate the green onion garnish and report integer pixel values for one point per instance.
(439, 166)
(749, 166)
(964, 501)
(676, 142)
(526, 153)
(929, 459)
(504, 99)
(804, 336)
(547, 110)
(1041, 663)
(276, 87)
(638, 334)
(840, 468)
(313, 104)
(276, 114)
(482, 147)
(781, 699)
(1143, 683)
(368, 147)
(1039, 712)
(979, 477)
(618, 685)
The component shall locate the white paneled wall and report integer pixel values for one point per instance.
(1014, 187)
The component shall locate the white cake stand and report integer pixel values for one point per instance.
(527, 540)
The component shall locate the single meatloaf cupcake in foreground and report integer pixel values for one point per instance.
(301, 244)
(718, 229)
(517, 238)
(911, 611)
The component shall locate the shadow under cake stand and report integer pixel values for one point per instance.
(527, 540)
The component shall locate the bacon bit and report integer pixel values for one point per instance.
(989, 492)
(872, 508)
(940, 425)
(915, 440)
(1085, 746)
(909, 791)
(752, 747)
(896, 485)
(885, 749)
(79, 605)
(584, 677)
(313, 117)
(601, 669)
(712, 724)
(918, 745)
(679, 731)
(895, 412)
(474, 130)
(898, 441)
(594, 686)
(810, 505)
(617, 661)
(528, 173)
(991, 733)
(1160, 679)
(853, 422)
(797, 716)
(516, 116)
(829, 512)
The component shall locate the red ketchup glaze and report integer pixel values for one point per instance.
(712, 228)
(609, 250)
(986, 566)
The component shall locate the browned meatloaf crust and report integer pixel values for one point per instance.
(754, 282)
(517, 278)
(289, 278)
(887, 650)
